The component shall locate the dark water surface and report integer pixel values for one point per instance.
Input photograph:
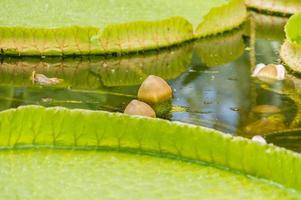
(211, 79)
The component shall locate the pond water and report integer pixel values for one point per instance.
(211, 79)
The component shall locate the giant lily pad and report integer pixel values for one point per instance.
(58, 153)
(101, 26)
(291, 49)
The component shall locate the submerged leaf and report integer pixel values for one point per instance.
(264, 109)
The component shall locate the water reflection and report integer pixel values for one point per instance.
(211, 79)
(290, 139)
(267, 27)
(219, 50)
(218, 97)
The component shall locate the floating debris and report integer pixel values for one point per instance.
(235, 109)
(232, 79)
(41, 79)
(154, 90)
(140, 108)
(268, 109)
(211, 72)
(176, 108)
(271, 71)
(47, 100)
(259, 139)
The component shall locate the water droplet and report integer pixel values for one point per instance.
(259, 139)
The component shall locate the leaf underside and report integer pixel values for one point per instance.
(137, 26)
(47, 144)
(285, 7)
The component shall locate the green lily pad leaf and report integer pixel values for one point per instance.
(293, 32)
(286, 7)
(291, 49)
(290, 55)
(101, 27)
(224, 17)
(58, 153)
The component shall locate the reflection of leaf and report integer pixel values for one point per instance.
(289, 139)
(74, 72)
(221, 49)
(269, 27)
(98, 26)
(91, 74)
(33, 144)
(133, 70)
(121, 71)
(12, 97)
(287, 7)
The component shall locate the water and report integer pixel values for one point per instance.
(211, 79)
